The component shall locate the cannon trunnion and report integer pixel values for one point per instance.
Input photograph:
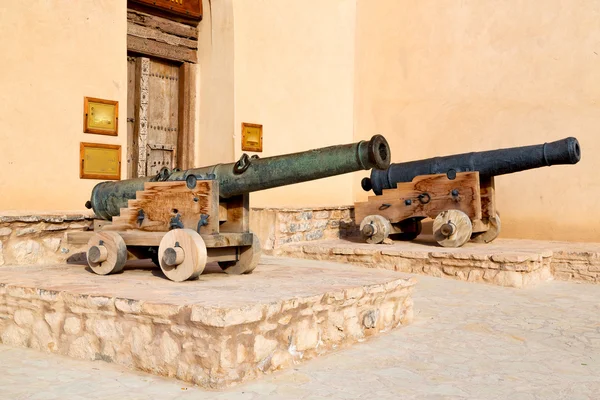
(456, 191)
(185, 219)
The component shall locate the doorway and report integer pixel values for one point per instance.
(159, 132)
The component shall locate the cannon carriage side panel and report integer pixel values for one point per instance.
(426, 196)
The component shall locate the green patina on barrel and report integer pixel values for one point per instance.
(254, 174)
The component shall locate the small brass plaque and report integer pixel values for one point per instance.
(100, 116)
(251, 137)
(100, 161)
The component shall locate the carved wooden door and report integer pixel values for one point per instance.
(163, 110)
(154, 92)
(132, 104)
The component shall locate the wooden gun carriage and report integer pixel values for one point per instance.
(456, 191)
(185, 219)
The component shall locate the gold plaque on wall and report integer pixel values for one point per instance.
(251, 137)
(100, 161)
(100, 116)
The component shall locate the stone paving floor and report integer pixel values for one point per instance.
(468, 341)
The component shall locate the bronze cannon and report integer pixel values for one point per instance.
(457, 191)
(184, 219)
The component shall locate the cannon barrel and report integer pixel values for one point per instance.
(254, 174)
(488, 163)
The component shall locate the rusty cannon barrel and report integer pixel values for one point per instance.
(488, 163)
(251, 174)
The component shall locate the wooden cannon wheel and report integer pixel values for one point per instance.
(107, 253)
(375, 229)
(182, 254)
(491, 234)
(452, 228)
(248, 259)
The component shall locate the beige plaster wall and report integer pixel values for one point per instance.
(435, 77)
(53, 54)
(215, 116)
(294, 74)
(438, 77)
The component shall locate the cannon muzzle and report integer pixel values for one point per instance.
(488, 163)
(251, 174)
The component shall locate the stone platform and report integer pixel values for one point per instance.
(504, 262)
(216, 331)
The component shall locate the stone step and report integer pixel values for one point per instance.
(504, 262)
(216, 331)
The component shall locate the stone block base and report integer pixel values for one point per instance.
(39, 237)
(278, 226)
(576, 262)
(216, 331)
(505, 263)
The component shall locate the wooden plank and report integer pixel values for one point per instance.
(161, 50)
(392, 203)
(488, 197)
(213, 214)
(161, 201)
(148, 238)
(480, 225)
(238, 216)
(228, 239)
(187, 116)
(163, 116)
(78, 238)
(155, 34)
(157, 146)
(162, 24)
(99, 224)
(222, 212)
(132, 105)
(187, 9)
(216, 254)
(140, 238)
